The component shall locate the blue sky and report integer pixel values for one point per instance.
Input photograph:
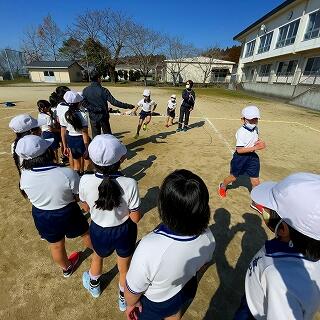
(202, 22)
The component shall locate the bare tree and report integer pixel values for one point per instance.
(179, 56)
(32, 45)
(145, 45)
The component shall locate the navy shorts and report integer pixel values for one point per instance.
(121, 238)
(246, 163)
(76, 145)
(171, 113)
(49, 135)
(159, 310)
(144, 114)
(54, 225)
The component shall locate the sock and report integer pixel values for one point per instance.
(94, 280)
(121, 290)
(222, 186)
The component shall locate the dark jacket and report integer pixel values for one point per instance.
(96, 100)
(189, 98)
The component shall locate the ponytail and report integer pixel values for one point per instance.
(110, 191)
(72, 117)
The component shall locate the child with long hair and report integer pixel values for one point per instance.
(53, 192)
(114, 203)
(74, 132)
(162, 277)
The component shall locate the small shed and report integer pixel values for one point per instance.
(55, 71)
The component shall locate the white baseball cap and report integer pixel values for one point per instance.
(32, 146)
(146, 93)
(24, 122)
(173, 96)
(296, 199)
(72, 97)
(250, 112)
(106, 150)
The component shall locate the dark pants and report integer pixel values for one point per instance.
(184, 117)
(103, 124)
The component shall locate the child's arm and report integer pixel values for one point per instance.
(154, 108)
(85, 206)
(135, 216)
(64, 140)
(258, 146)
(85, 136)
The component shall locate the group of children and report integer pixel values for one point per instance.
(159, 277)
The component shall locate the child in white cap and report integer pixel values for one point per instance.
(283, 278)
(74, 131)
(245, 160)
(113, 201)
(147, 107)
(171, 110)
(53, 192)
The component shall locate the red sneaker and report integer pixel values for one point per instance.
(257, 207)
(74, 259)
(222, 191)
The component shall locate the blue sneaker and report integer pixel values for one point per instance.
(94, 290)
(122, 303)
(179, 129)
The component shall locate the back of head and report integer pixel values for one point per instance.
(73, 98)
(184, 203)
(61, 90)
(95, 76)
(43, 105)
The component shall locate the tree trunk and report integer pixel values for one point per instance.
(111, 71)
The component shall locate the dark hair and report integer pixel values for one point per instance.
(109, 190)
(53, 99)
(43, 160)
(61, 90)
(309, 247)
(183, 203)
(95, 75)
(43, 104)
(73, 118)
(190, 82)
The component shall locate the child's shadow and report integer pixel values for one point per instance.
(242, 181)
(107, 277)
(149, 201)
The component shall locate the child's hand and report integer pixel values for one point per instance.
(260, 145)
(132, 312)
(66, 152)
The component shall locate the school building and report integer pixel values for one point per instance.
(55, 71)
(198, 69)
(281, 53)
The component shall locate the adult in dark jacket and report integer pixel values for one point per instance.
(96, 100)
(187, 105)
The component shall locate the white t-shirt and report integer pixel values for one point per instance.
(71, 130)
(282, 284)
(147, 106)
(48, 119)
(61, 109)
(172, 105)
(164, 262)
(50, 188)
(88, 192)
(246, 137)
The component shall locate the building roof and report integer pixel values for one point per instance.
(52, 64)
(202, 60)
(266, 16)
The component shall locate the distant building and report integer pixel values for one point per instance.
(281, 52)
(55, 71)
(199, 70)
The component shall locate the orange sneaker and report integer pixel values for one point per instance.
(257, 207)
(222, 191)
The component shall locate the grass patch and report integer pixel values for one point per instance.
(15, 81)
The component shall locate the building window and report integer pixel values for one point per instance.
(312, 67)
(219, 75)
(250, 48)
(48, 73)
(313, 30)
(265, 70)
(287, 34)
(287, 68)
(265, 42)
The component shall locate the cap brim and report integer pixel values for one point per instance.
(263, 195)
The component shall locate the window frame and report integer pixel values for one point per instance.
(311, 72)
(250, 46)
(309, 32)
(267, 39)
(289, 27)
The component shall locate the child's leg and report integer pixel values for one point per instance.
(87, 240)
(71, 161)
(254, 182)
(139, 126)
(167, 121)
(59, 254)
(229, 179)
(170, 121)
(177, 316)
(77, 164)
(96, 266)
(123, 266)
(147, 120)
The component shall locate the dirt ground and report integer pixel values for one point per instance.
(33, 287)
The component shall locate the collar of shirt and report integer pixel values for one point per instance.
(165, 231)
(112, 176)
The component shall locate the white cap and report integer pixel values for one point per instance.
(146, 93)
(24, 122)
(106, 150)
(72, 97)
(250, 112)
(32, 146)
(173, 96)
(296, 199)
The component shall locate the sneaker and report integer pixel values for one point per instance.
(93, 288)
(222, 191)
(74, 259)
(136, 136)
(185, 129)
(178, 130)
(257, 207)
(122, 303)
(144, 127)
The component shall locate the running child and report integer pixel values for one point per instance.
(162, 277)
(74, 132)
(245, 160)
(147, 107)
(49, 129)
(53, 192)
(283, 278)
(113, 201)
(171, 110)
